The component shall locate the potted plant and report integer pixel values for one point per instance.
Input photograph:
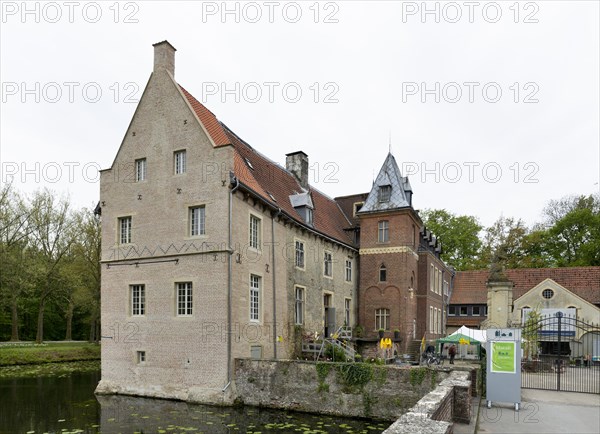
(381, 332)
(396, 334)
(359, 331)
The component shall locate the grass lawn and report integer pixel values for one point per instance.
(26, 354)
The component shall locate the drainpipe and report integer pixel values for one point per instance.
(273, 217)
(229, 283)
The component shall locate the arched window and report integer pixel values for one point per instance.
(382, 273)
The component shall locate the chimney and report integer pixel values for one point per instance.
(297, 163)
(164, 57)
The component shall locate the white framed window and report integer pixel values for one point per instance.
(140, 170)
(125, 230)
(464, 310)
(184, 299)
(299, 306)
(383, 233)
(347, 311)
(431, 319)
(385, 193)
(179, 162)
(476, 310)
(197, 219)
(138, 299)
(299, 249)
(382, 319)
(348, 270)
(440, 282)
(141, 356)
(327, 264)
(254, 232)
(432, 278)
(254, 297)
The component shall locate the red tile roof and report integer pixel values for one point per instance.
(208, 119)
(459, 321)
(270, 181)
(470, 286)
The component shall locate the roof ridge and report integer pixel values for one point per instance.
(275, 163)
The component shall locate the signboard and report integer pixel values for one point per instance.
(503, 378)
(503, 357)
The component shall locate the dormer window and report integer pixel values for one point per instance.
(385, 192)
(357, 207)
(249, 163)
(309, 216)
(303, 204)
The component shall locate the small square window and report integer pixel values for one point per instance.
(476, 310)
(463, 310)
(141, 356)
(452, 311)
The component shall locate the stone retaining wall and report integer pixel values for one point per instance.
(435, 412)
(352, 390)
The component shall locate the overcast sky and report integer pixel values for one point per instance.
(492, 108)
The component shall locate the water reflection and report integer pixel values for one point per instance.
(49, 404)
(67, 403)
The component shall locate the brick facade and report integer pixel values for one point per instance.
(240, 270)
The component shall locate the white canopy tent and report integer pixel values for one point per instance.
(478, 335)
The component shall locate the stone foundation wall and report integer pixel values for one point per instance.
(353, 390)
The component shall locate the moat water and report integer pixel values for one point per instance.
(67, 404)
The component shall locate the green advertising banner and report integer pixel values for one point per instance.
(503, 357)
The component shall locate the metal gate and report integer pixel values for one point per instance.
(560, 352)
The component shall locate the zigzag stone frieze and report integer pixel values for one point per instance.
(117, 253)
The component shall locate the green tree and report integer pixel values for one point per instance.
(459, 235)
(574, 239)
(87, 249)
(506, 235)
(14, 232)
(52, 231)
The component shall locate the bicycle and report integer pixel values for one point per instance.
(433, 358)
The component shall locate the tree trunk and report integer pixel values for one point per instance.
(92, 329)
(69, 333)
(14, 335)
(40, 323)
